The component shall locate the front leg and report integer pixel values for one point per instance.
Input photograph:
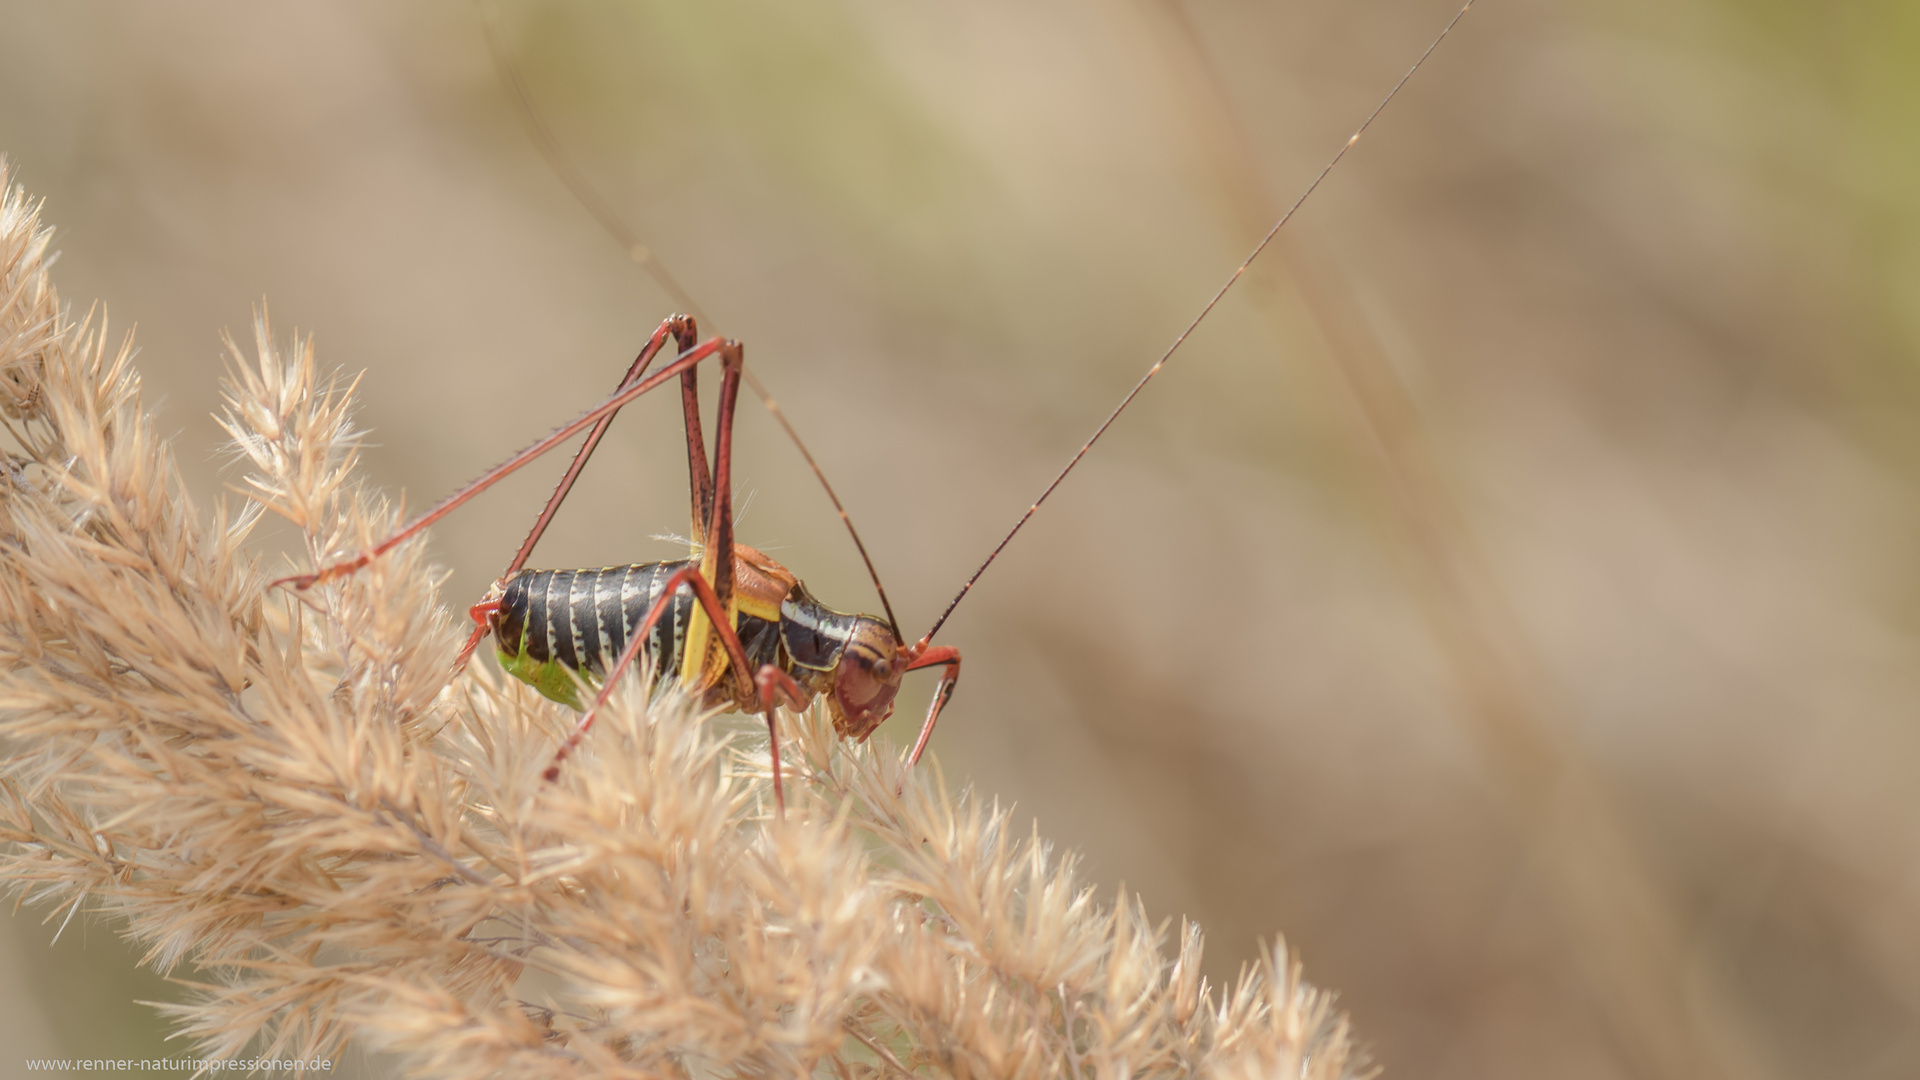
(922, 655)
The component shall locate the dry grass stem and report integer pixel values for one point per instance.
(288, 798)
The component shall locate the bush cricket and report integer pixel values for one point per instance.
(740, 629)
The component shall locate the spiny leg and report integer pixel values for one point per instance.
(334, 571)
(716, 550)
(771, 685)
(699, 476)
(681, 329)
(712, 496)
(928, 656)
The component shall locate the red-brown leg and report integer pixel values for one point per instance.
(778, 688)
(699, 476)
(777, 685)
(719, 550)
(736, 654)
(679, 327)
(927, 656)
(685, 361)
(716, 552)
(481, 614)
(682, 330)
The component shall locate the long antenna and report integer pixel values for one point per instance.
(1184, 334)
(597, 205)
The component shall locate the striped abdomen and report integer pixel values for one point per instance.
(554, 623)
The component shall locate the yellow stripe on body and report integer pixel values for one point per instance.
(701, 662)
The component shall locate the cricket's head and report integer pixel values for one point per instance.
(854, 661)
(866, 678)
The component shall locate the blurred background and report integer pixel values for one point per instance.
(1509, 595)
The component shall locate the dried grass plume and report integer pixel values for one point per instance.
(284, 801)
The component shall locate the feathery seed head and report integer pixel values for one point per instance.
(284, 794)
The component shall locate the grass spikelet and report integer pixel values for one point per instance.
(283, 799)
